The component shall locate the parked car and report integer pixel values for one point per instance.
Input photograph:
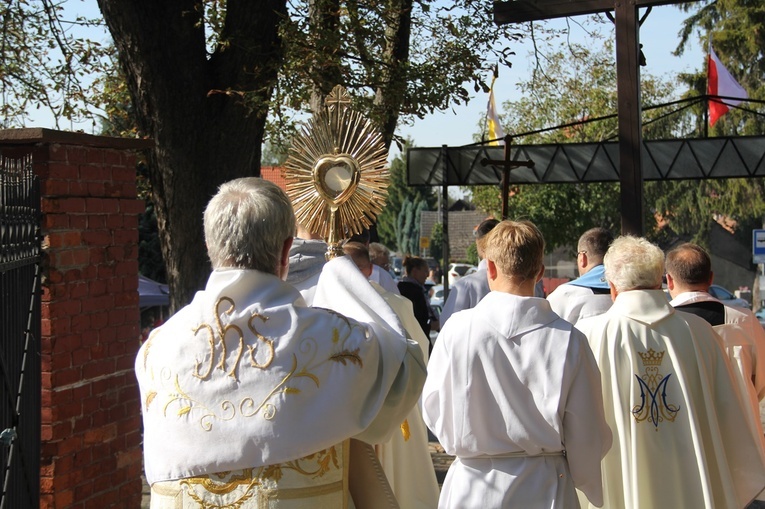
(458, 270)
(397, 266)
(760, 314)
(727, 297)
(437, 296)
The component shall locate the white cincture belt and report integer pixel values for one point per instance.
(517, 454)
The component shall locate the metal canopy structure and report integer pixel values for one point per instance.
(627, 25)
(587, 162)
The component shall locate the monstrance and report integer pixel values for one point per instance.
(336, 172)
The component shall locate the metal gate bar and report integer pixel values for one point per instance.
(19, 334)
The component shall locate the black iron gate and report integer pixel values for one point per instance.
(19, 335)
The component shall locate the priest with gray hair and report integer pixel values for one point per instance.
(249, 397)
(681, 437)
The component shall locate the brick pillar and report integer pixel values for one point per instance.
(91, 426)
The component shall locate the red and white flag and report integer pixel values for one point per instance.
(721, 83)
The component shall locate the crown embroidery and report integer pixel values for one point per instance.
(653, 406)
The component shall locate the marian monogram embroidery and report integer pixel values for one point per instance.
(252, 350)
(653, 405)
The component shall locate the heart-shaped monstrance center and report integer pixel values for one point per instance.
(336, 177)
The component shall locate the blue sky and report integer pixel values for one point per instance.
(457, 126)
(658, 35)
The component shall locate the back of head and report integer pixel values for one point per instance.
(481, 231)
(378, 254)
(246, 224)
(517, 248)
(690, 265)
(633, 263)
(595, 243)
(362, 237)
(359, 253)
(413, 262)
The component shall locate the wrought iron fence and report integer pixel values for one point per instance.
(20, 256)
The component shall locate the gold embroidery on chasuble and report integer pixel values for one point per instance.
(654, 406)
(314, 475)
(179, 401)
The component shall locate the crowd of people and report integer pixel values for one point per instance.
(291, 381)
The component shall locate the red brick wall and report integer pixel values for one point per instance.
(91, 426)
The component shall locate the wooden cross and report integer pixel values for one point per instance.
(627, 82)
(506, 165)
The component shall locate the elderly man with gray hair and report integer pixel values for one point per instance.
(249, 397)
(681, 437)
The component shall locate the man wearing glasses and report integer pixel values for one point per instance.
(588, 295)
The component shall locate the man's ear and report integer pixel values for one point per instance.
(583, 263)
(541, 273)
(614, 293)
(284, 260)
(711, 277)
(670, 282)
(491, 270)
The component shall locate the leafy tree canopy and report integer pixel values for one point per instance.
(577, 83)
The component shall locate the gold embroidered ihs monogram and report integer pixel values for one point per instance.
(653, 405)
(219, 333)
(183, 402)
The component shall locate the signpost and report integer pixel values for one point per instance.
(758, 246)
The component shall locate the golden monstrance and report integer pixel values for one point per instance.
(336, 172)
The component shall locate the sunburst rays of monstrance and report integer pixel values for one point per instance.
(336, 172)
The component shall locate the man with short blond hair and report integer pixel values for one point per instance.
(514, 393)
(470, 289)
(681, 436)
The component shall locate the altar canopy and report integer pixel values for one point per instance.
(587, 162)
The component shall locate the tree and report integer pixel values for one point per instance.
(736, 29)
(203, 103)
(577, 84)
(399, 58)
(203, 76)
(393, 222)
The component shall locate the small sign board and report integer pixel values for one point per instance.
(758, 246)
(425, 243)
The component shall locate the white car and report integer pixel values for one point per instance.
(458, 270)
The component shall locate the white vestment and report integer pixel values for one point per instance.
(307, 257)
(249, 396)
(510, 387)
(681, 438)
(383, 278)
(573, 303)
(744, 340)
(466, 292)
(405, 458)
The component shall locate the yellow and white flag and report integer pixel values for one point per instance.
(492, 119)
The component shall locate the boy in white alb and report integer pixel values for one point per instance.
(513, 391)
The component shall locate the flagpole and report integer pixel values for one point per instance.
(706, 88)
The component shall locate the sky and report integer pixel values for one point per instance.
(658, 35)
(456, 127)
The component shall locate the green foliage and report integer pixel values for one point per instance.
(43, 66)
(472, 254)
(408, 226)
(437, 243)
(393, 219)
(577, 83)
(397, 58)
(737, 31)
